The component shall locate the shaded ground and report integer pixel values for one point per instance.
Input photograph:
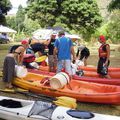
(99, 108)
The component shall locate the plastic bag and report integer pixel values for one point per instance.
(20, 71)
(35, 65)
(104, 70)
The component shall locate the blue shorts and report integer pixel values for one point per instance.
(64, 64)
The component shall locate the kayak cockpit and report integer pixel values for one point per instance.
(80, 114)
(10, 103)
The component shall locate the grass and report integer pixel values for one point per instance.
(99, 108)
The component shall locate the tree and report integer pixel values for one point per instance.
(5, 6)
(81, 15)
(113, 28)
(20, 17)
(114, 4)
(21, 22)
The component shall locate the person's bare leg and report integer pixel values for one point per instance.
(8, 85)
(107, 76)
(85, 62)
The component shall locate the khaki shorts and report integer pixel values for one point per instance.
(52, 61)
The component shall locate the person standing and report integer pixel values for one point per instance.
(104, 56)
(83, 53)
(63, 49)
(12, 59)
(52, 61)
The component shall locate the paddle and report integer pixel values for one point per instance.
(28, 93)
(59, 101)
(38, 96)
(13, 90)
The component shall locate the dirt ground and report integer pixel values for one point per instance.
(99, 108)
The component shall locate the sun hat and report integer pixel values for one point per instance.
(24, 42)
(102, 38)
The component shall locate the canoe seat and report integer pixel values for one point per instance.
(80, 114)
(9, 103)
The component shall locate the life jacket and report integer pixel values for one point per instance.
(103, 51)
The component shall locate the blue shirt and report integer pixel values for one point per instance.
(64, 44)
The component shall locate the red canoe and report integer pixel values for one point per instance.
(112, 81)
(94, 69)
(87, 73)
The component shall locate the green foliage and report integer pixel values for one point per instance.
(101, 31)
(30, 25)
(17, 22)
(11, 21)
(2, 20)
(113, 28)
(114, 4)
(80, 15)
(21, 23)
(5, 6)
(20, 36)
(20, 16)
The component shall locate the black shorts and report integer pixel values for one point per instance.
(85, 53)
(100, 66)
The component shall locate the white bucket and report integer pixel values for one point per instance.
(59, 80)
(20, 71)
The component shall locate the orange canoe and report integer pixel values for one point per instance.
(82, 91)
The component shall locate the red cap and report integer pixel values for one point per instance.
(24, 42)
(102, 38)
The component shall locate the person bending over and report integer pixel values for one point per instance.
(83, 53)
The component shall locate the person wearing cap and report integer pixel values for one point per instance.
(63, 49)
(12, 59)
(104, 56)
(52, 61)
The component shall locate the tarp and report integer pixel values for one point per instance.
(4, 29)
(44, 34)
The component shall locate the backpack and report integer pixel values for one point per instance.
(13, 48)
